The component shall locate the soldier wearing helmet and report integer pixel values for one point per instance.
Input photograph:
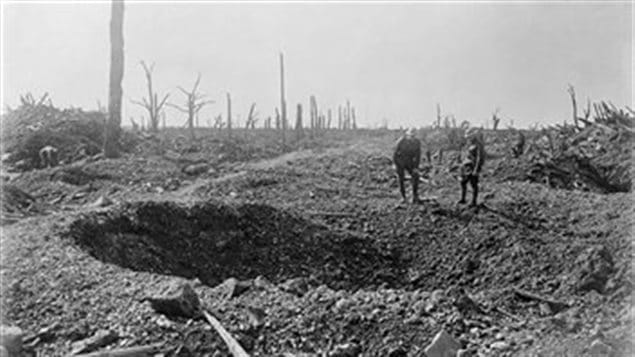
(406, 157)
(471, 166)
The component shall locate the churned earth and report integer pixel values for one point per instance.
(327, 259)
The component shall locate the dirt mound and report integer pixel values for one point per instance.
(15, 203)
(35, 124)
(213, 241)
(596, 157)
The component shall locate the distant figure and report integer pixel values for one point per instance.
(406, 157)
(48, 156)
(519, 148)
(471, 167)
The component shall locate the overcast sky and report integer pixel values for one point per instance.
(392, 60)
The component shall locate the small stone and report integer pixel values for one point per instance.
(600, 349)
(102, 201)
(295, 286)
(236, 287)
(499, 345)
(463, 353)
(442, 345)
(499, 336)
(398, 352)
(196, 169)
(437, 296)
(346, 350)
(11, 338)
(181, 301)
(545, 310)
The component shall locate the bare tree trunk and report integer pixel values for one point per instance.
(298, 123)
(354, 119)
(283, 104)
(574, 104)
(438, 115)
(328, 123)
(113, 125)
(229, 114)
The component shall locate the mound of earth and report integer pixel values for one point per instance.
(35, 124)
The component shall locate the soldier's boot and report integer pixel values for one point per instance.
(474, 182)
(415, 187)
(463, 191)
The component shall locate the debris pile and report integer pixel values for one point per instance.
(37, 123)
(16, 204)
(595, 158)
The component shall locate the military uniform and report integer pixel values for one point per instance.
(406, 157)
(471, 166)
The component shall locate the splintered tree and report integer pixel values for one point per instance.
(194, 102)
(574, 104)
(113, 126)
(495, 119)
(152, 103)
(251, 118)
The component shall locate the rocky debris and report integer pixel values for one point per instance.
(351, 299)
(296, 286)
(11, 339)
(398, 351)
(500, 346)
(102, 201)
(593, 157)
(236, 287)
(350, 349)
(100, 339)
(256, 316)
(196, 169)
(179, 302)
(442, 345)
(600, 349)
(15, 203)
(595, 268)
(37, 123)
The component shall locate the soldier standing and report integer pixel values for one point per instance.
(471, 167)
(406, 157)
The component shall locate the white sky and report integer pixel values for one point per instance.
(393, 60)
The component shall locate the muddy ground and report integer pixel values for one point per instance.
(328, 254)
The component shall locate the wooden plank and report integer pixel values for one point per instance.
(234, 347)
(136, 351)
